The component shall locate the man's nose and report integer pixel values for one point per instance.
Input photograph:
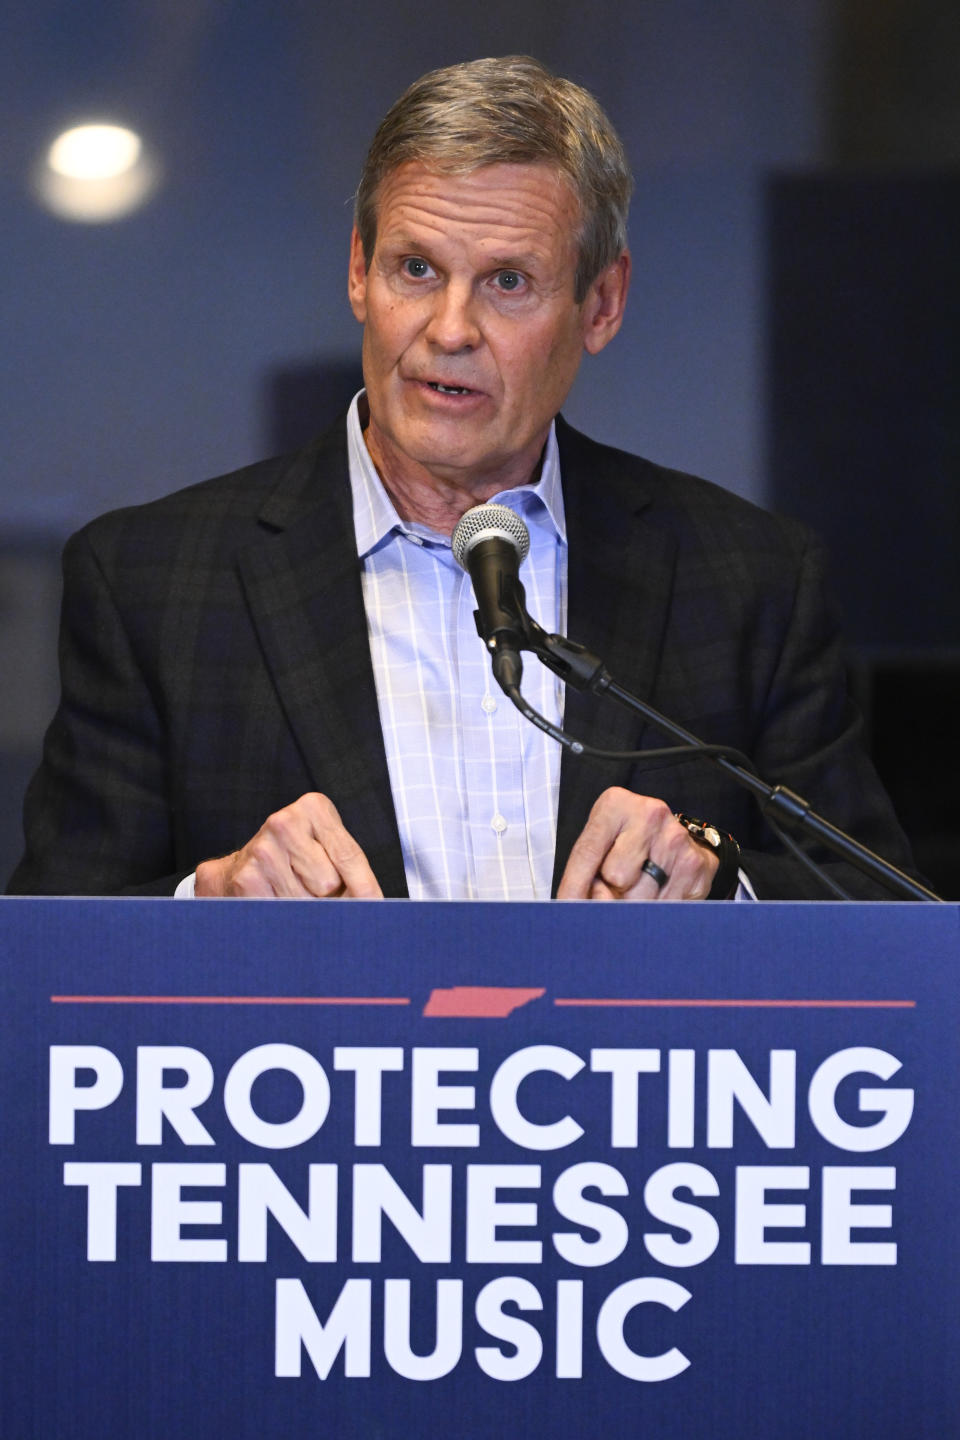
(453, 324)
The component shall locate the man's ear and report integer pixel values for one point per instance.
(605, 303)
(357, 277)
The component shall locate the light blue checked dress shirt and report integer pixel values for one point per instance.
(474, 785)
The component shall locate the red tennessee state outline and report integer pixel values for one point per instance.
(483, 1002)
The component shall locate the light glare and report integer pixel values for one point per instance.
(96, 173)
(94, 152)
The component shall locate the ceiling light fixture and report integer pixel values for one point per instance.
(96, 173)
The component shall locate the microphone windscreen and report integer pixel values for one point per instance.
(489, 522)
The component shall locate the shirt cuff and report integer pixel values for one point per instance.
(744, 890)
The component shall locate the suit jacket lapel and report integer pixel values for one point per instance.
(620, 578)
(302, 582)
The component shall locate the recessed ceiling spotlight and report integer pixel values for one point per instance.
(95, 152)
(96, 173)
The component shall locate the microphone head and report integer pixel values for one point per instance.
(489, 522)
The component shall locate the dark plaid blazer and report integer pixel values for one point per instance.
(215, 666)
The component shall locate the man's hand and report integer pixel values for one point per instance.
(301, 852)
(625, 830)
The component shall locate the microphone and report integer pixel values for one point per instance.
(491, 542)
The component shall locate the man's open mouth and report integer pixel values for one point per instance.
(449, 389)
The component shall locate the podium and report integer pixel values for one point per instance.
(380, 1169)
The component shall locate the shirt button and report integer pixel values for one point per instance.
(498, 824)
(416, 539)
(488, 704)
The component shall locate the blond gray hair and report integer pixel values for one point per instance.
(514, 111)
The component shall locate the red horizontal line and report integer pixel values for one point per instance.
(752, 1004)
(229, 1000)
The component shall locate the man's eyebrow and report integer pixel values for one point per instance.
(400, 240)
(525, 261)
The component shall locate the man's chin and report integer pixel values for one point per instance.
(448, 449)
(451, 451)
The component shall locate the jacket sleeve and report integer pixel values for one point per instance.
(809, 738)
(96, 814)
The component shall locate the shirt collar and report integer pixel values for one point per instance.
(374, 514)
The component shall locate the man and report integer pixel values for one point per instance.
(271, 682)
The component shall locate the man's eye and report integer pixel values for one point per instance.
(509, 280)
(416, 267)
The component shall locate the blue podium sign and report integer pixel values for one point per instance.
(388, 1170)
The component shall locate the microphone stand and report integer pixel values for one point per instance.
(576, 666)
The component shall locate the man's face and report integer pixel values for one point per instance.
(472, 337)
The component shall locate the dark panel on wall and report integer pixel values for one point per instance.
(865, 392)
(911, 704)
(302, 400)
(895, 84)
(864, 445)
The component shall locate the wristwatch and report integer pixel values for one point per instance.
(725, 848)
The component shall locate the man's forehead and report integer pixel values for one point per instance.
(526, 197)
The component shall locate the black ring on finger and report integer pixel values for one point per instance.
(658, 876)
